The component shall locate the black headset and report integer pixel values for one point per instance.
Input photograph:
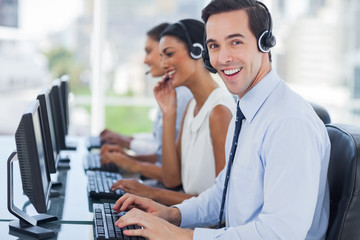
(266, 39)
(264, 43)
(196, 49)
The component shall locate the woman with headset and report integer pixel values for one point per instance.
(197, 156)
(147, 149)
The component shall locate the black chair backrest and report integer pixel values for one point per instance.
(321, 112)
(344, 182)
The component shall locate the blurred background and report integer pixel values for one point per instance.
(100, 45)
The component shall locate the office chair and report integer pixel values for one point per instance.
(344, 182)
(321, 112)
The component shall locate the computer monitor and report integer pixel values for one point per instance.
(48, 130)
(35, 178)
(58, 115)
(64, 89)
(31, 153)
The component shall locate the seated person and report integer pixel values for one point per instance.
(198, 154)
(147, 146)
(277, 187)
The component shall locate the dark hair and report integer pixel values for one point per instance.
(258, 17)
(195, 30)
(156, 31)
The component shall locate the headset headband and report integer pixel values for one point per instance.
(195, 54)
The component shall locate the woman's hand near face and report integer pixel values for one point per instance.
(165, 95)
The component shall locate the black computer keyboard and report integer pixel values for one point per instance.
(104, 219)
(93, 162)
(100, 182)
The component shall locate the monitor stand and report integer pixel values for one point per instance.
(22, 227)
(63, 165)
(70, 144)
(55, 183)
(63, 162)
(26, 224)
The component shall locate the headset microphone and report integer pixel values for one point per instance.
(206, 58)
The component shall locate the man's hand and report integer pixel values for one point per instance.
(152, 227)
(130, 201)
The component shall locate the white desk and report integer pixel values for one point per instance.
(72, 207)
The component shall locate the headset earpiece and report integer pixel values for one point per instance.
(196, 49)
(266, 39)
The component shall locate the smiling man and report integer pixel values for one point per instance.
(274, 185)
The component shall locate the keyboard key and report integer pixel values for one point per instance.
(100, 230)
(93, 162)
(99, 222)
(99, 185)
(109, 231)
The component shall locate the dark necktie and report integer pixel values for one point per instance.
(238, 122)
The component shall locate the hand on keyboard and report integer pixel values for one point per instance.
(130, 201)
(111, 148)
(133, 186)
(100, 182)
(104, 219)
(108, 136)
(152, 227)
(122, 160)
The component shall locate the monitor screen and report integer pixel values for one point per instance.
(64, 87)
(57, 111)
(31, 153)
(48, 131)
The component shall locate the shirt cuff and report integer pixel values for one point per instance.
(187, 214)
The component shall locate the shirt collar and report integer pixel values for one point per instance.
(252, 101)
